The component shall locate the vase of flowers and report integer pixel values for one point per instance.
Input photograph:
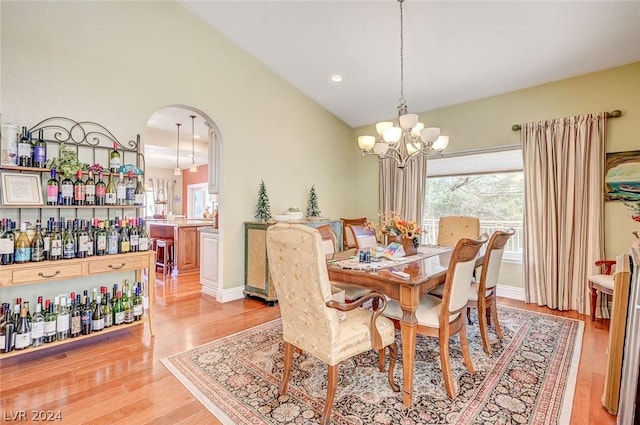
(394, 228)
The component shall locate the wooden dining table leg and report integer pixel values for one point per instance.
(409, 298)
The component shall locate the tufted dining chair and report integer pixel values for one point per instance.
(348, 240)
(444, 317)
(487, 285)
(455, 227)
(310, 316)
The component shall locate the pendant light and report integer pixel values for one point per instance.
(177, 171)
(194, 167)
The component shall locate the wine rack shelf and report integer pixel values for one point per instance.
(47, 272)
(105, 331)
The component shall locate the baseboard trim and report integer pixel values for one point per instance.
(510, 292)
(224, 295)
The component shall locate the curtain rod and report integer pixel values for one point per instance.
(613, 114)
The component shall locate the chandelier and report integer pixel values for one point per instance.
(408, 138)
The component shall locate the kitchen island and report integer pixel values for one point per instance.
(185, 235)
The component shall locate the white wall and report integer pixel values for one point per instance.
(117, 63)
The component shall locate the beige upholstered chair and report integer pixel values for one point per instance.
(453, 228)
(348, 240)
(446, 316)
(602, 283)
(364, 236)
(487, 285)
(309, 315)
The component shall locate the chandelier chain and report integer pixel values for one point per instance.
(402, 101)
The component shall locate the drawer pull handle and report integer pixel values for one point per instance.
(57, 272)
(111, 266)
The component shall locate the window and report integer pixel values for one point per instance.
(199, 199)
(487, 185)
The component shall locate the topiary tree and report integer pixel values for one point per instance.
(312, 205)
(263, 209)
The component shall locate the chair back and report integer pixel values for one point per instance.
(493, 259)
(453, 228)
(348, 239)
(459, 274)
(298, 271)
(329, 240)
(363, 235)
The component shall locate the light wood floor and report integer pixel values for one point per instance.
(118, 379)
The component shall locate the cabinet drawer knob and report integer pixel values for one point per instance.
(47, 276)
(111, 266)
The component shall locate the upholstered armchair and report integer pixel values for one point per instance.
(444, 317)
(601, 282)
(348, 240)
(309, 315)
(363, 235)
(483, 293)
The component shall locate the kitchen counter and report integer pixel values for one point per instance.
(186, 242)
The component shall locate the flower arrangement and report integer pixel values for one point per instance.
(392, 224)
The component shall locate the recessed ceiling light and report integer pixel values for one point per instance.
(336, 78)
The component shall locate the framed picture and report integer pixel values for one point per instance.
(622, 176)
(21, 189)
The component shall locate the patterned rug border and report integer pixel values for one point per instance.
(566, 407)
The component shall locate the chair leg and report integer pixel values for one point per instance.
(331, 392)
(494, 314)
(594, 298)
(469, 316)
(288, 356)
(393, 355)
(381, 360)
(484, 332)
(465, 348)
(445, 361)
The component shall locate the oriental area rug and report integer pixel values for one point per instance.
(529, 379)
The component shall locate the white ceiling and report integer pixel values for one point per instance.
(454, 51)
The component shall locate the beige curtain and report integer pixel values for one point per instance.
(403, 189)
(563, 224)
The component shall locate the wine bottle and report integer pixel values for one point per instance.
(8, 330)
(121, 191)
(52, 189)
(143, 237)
(49, 323)
(118, 310)
(37, 325)
(101, 240)
(125, 242)
(90, 242)
(66, 191)
(37, 244)
(86, 316)
(115, 159)
(46, 236)
(62, 320)
(76, 324)
(128, 308)
(22, 251)
(23, 331)
(7, 246)
(113, 242)
(55, 248)
(111, 196)
(134, 236)
(24, 149)
(68, 243)
(90, 190)
(97, 321)
(101, 191)
(40, 151)
(137, 305)
(138, 195)
(79, 190)
(82, 240)
(107, 310)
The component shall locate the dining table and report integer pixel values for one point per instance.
(425, 271)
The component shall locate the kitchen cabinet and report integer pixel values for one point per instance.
(186, 243)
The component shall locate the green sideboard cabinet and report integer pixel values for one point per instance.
(257, 282)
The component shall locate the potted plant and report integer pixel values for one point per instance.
(66, 163)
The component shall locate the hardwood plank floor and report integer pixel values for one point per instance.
(118, 378)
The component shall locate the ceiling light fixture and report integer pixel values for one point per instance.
(194, 167)
(177, 171)
(336, 78)
(409, 138)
